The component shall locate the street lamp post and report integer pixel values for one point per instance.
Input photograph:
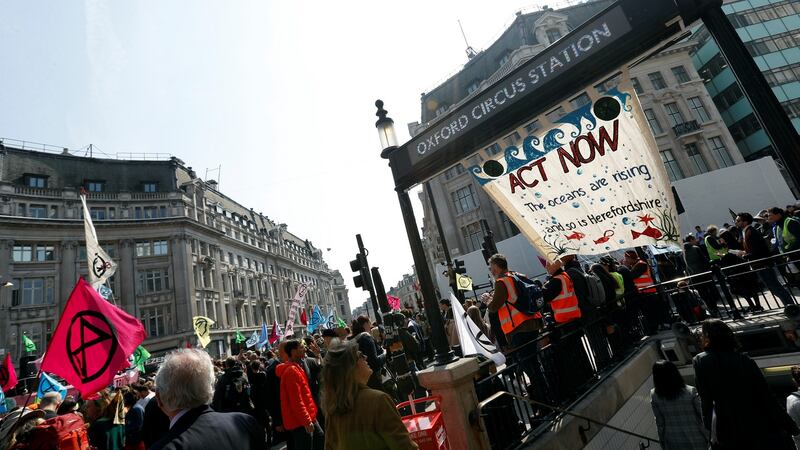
(388, 138)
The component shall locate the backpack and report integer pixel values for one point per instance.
(596, 292)
(529, 295)
(67, 432)
(237, 395)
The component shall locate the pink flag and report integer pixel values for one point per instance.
(8, 376)
(275, 335)
(92, 341)
(394, 302)
(542, 261)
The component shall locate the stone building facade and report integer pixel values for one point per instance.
(407, 290)
(183, 248)
(691, 135)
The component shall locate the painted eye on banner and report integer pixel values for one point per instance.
(607, 108)
(493, 168)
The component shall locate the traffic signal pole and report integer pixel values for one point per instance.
(362, 266)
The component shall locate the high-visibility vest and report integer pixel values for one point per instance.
(644, 283)
(510, 317)
(565, 306)
(787, 237)
(619, 289)
(714, 254)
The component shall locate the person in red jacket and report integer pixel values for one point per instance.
(297, 405)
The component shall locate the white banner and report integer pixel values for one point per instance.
(471, 338)
(101, 266)
(299, 298)
(589, 182)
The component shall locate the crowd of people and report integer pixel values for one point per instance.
(322, 391)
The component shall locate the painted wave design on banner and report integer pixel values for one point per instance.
(590, 184)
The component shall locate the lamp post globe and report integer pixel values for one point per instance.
(386, 133)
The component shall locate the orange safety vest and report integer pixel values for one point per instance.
(565, 306)
(644, 283)
(510, 317)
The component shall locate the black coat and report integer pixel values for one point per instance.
(732, 386)
(202, 428)
(155, 425)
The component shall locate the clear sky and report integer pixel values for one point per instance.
(279, 93)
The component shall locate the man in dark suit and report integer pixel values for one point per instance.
(184, 388)
(756, 248)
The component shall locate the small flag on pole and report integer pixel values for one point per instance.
(394, 302)
(330, 322)
(253, 340)
(140, 356)
(276, 334)
(239, 337)
(101, 266)
(202, 328)
(49, 384)
(92, 341)
(303, 318)
(263, 339)
(340, 323)
(317, 320)
(463, 282)
(8, 376)
(30, 346)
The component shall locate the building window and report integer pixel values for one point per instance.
(655, 125)
(95, 186)
(698, 109)
(23, 253)
(473, 236)
(155, 248)
(553, 35)
(154, 320)
(673, 169)
(555, 114)
(441, 110)
(783, 75)
(680, 74)
(636, 85)
(35, 291)
(581, 100)
(493, 149)
(464, 199)
(720, 152)
(153, 280)
(454, 171)
(473, 87)
(36, 181)
(45, 253)
(532, 127)
(509, 226)
(97, 213)
(728, 97)
(657, 80)
(37, 211)
(698, 162)
(149, 187)
(342, 311)
(674, 113)
(160, 248)
(744, 127)
(512, 139)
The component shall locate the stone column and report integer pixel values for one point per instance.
(455, 384)
(127, 276)
(183, 283)
(5, 294)
(68, 273)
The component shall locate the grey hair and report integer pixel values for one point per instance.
(185, 380)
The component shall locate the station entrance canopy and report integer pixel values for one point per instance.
(587, 182)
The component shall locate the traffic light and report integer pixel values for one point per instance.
(359, 265)
(488, 248)
(458, 267)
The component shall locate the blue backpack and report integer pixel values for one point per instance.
(529, 295)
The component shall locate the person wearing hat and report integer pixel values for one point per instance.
(18, 422)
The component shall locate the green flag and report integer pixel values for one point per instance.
(140, 356)
(239, 337)
(340, 323)
(30, 346)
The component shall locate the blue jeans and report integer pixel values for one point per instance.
(770, 279)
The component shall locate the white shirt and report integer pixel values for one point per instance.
(143, 401)
(177, 416)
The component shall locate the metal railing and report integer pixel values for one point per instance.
(558, 367)
(686, 127)
(559, 412)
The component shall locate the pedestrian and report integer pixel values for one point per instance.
(714, 248)
(156, 423)
(520, 328)
(358, 417)
(676, 408)
(738, 407)
(688, 304)
(756, 248)
(366, 343)
(276, 433)
(560, 293)
(144, 393)
(698, 233)
(698, 266)
(49, 403)
(297, 405)
(232, 391)
(184, 389)
(653, 307)
(793, 402)
(106, 421)
(134, 421)
(449, 323)
(258, 392)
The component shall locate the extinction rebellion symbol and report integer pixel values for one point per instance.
(201, 326)
(100, 265)
(91, 344)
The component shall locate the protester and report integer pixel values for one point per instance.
(714, 248)
(49, 403)
(653, 307)
(793, 402)
(688, 304)
(367, 346)
(697, 264)
(143, 393)
(68, 406)
(276, 433)
(676, 408)
(786, 229)
(297, 405)
(358, 417)
(17, 424)
(184, 388)
(156, 423)
(449, 323)
(474, 313)
(698, 232)
(756, 248)
(106, 421)
(327, 336)
(258, 393)
(134, 421)
(560, 293)
(734, 392)
(232, 391)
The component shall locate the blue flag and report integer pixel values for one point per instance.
(330, 323)
(317, 320)
(253, 340)
(49, 384)
(3, 407)
(263, 340)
